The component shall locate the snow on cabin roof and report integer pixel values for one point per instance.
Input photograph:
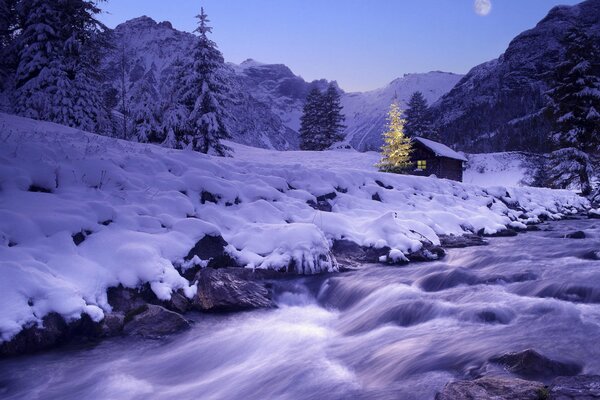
(440, 150)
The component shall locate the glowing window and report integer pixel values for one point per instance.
(421, 164)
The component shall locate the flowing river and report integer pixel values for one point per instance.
(376, 333)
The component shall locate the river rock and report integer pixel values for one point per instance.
(211, 248)
(348, 253)
(575, 235)
(54, 331)
(533, 365)
(153, 321)
(230, 289)
(592, 255)
(112, 324)
(123, 299)
(429, 252)
(492, 388)
(580, 387)
(594, 214)
(451, 241)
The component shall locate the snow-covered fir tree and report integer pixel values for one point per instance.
(397, 146)
(204, 129)
(575, 109)
(145, 110)
(570, 167)
(58, 55)
(333, 119)
(322, 121)
(418, 122)
(311, 128)
(8, 30)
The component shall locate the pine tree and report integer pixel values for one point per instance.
(397, 146)
(418, 122)
(311, 130)
(575, 99)
(9, 25)
(205, 128)
(569, 167)
(333, 119)
(575, 108)
(145, 112)
(58, 55)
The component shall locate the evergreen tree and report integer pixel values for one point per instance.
(9, 26)
(178, 99)
(312, 133)
(575, 107)
(58, 54)
(397, 146)
(333, 119)
(145, 111)
(205, 128)
(418, 122)
(569, 167)
(575, 99)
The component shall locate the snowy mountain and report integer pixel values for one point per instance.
(366, 112)
(81, 213)
(266, 100)
(499, 105)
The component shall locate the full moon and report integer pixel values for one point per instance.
(483, 7)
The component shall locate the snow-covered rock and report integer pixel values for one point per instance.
(80, 213)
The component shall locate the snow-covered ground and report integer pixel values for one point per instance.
(140, 211)
(507, 169)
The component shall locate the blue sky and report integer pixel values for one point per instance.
(363, 44)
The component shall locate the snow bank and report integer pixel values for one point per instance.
(135, 211)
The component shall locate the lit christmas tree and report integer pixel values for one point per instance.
(397, 148)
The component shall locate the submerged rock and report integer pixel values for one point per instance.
(492, 388)
(154, 321)
(531, 364)
(575, 235)
(231, 289)
(581, 387)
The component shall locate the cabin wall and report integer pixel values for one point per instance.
(441, 167)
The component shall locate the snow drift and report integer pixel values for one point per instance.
(80, 213)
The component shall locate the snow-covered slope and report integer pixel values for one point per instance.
(508, 169)
(80, 213)
(366, 112)
(499, 105)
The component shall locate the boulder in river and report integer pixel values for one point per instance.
(533, 365)
(153, 321)
(230, 289)
(492, 388)
(575, 235)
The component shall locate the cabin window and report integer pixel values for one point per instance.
(422, 164)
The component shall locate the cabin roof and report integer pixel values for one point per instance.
(440, 150)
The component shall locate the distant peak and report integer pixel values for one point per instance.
(250, 62)
(146, 22)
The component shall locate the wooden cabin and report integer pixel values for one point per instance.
(433, 158)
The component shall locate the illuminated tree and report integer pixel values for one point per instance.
(397, 146)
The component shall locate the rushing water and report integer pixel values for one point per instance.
(376, 333)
